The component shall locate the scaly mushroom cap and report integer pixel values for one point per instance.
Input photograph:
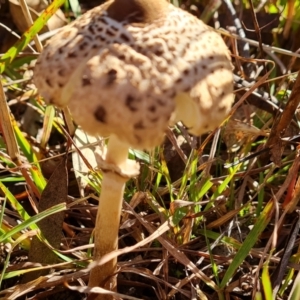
(132, 67)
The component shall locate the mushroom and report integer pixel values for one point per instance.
(128, 69)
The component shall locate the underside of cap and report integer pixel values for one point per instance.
(136, 11)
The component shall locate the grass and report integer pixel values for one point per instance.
(207, 218)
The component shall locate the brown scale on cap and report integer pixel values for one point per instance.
(133, 67)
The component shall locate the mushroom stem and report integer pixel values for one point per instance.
(106, 229)
(117, 169)
(117, 152)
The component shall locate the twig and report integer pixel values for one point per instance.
(244, 45)
(29, 22)
(279, 128)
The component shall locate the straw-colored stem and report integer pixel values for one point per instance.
(108, 218)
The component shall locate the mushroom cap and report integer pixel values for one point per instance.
(130, 68)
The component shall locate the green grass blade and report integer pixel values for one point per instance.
(75, 6)
(33, 220)
(225, 183)
(28, 35)
(288, 279)
(3, 205)
(15, 204)
(296, 289)
(231, 242)
(261, 223)
(258, 296)
(222, 186)
(35, 169)
(18, 241)
(24, 145)
(266, 282)
(214, 266)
